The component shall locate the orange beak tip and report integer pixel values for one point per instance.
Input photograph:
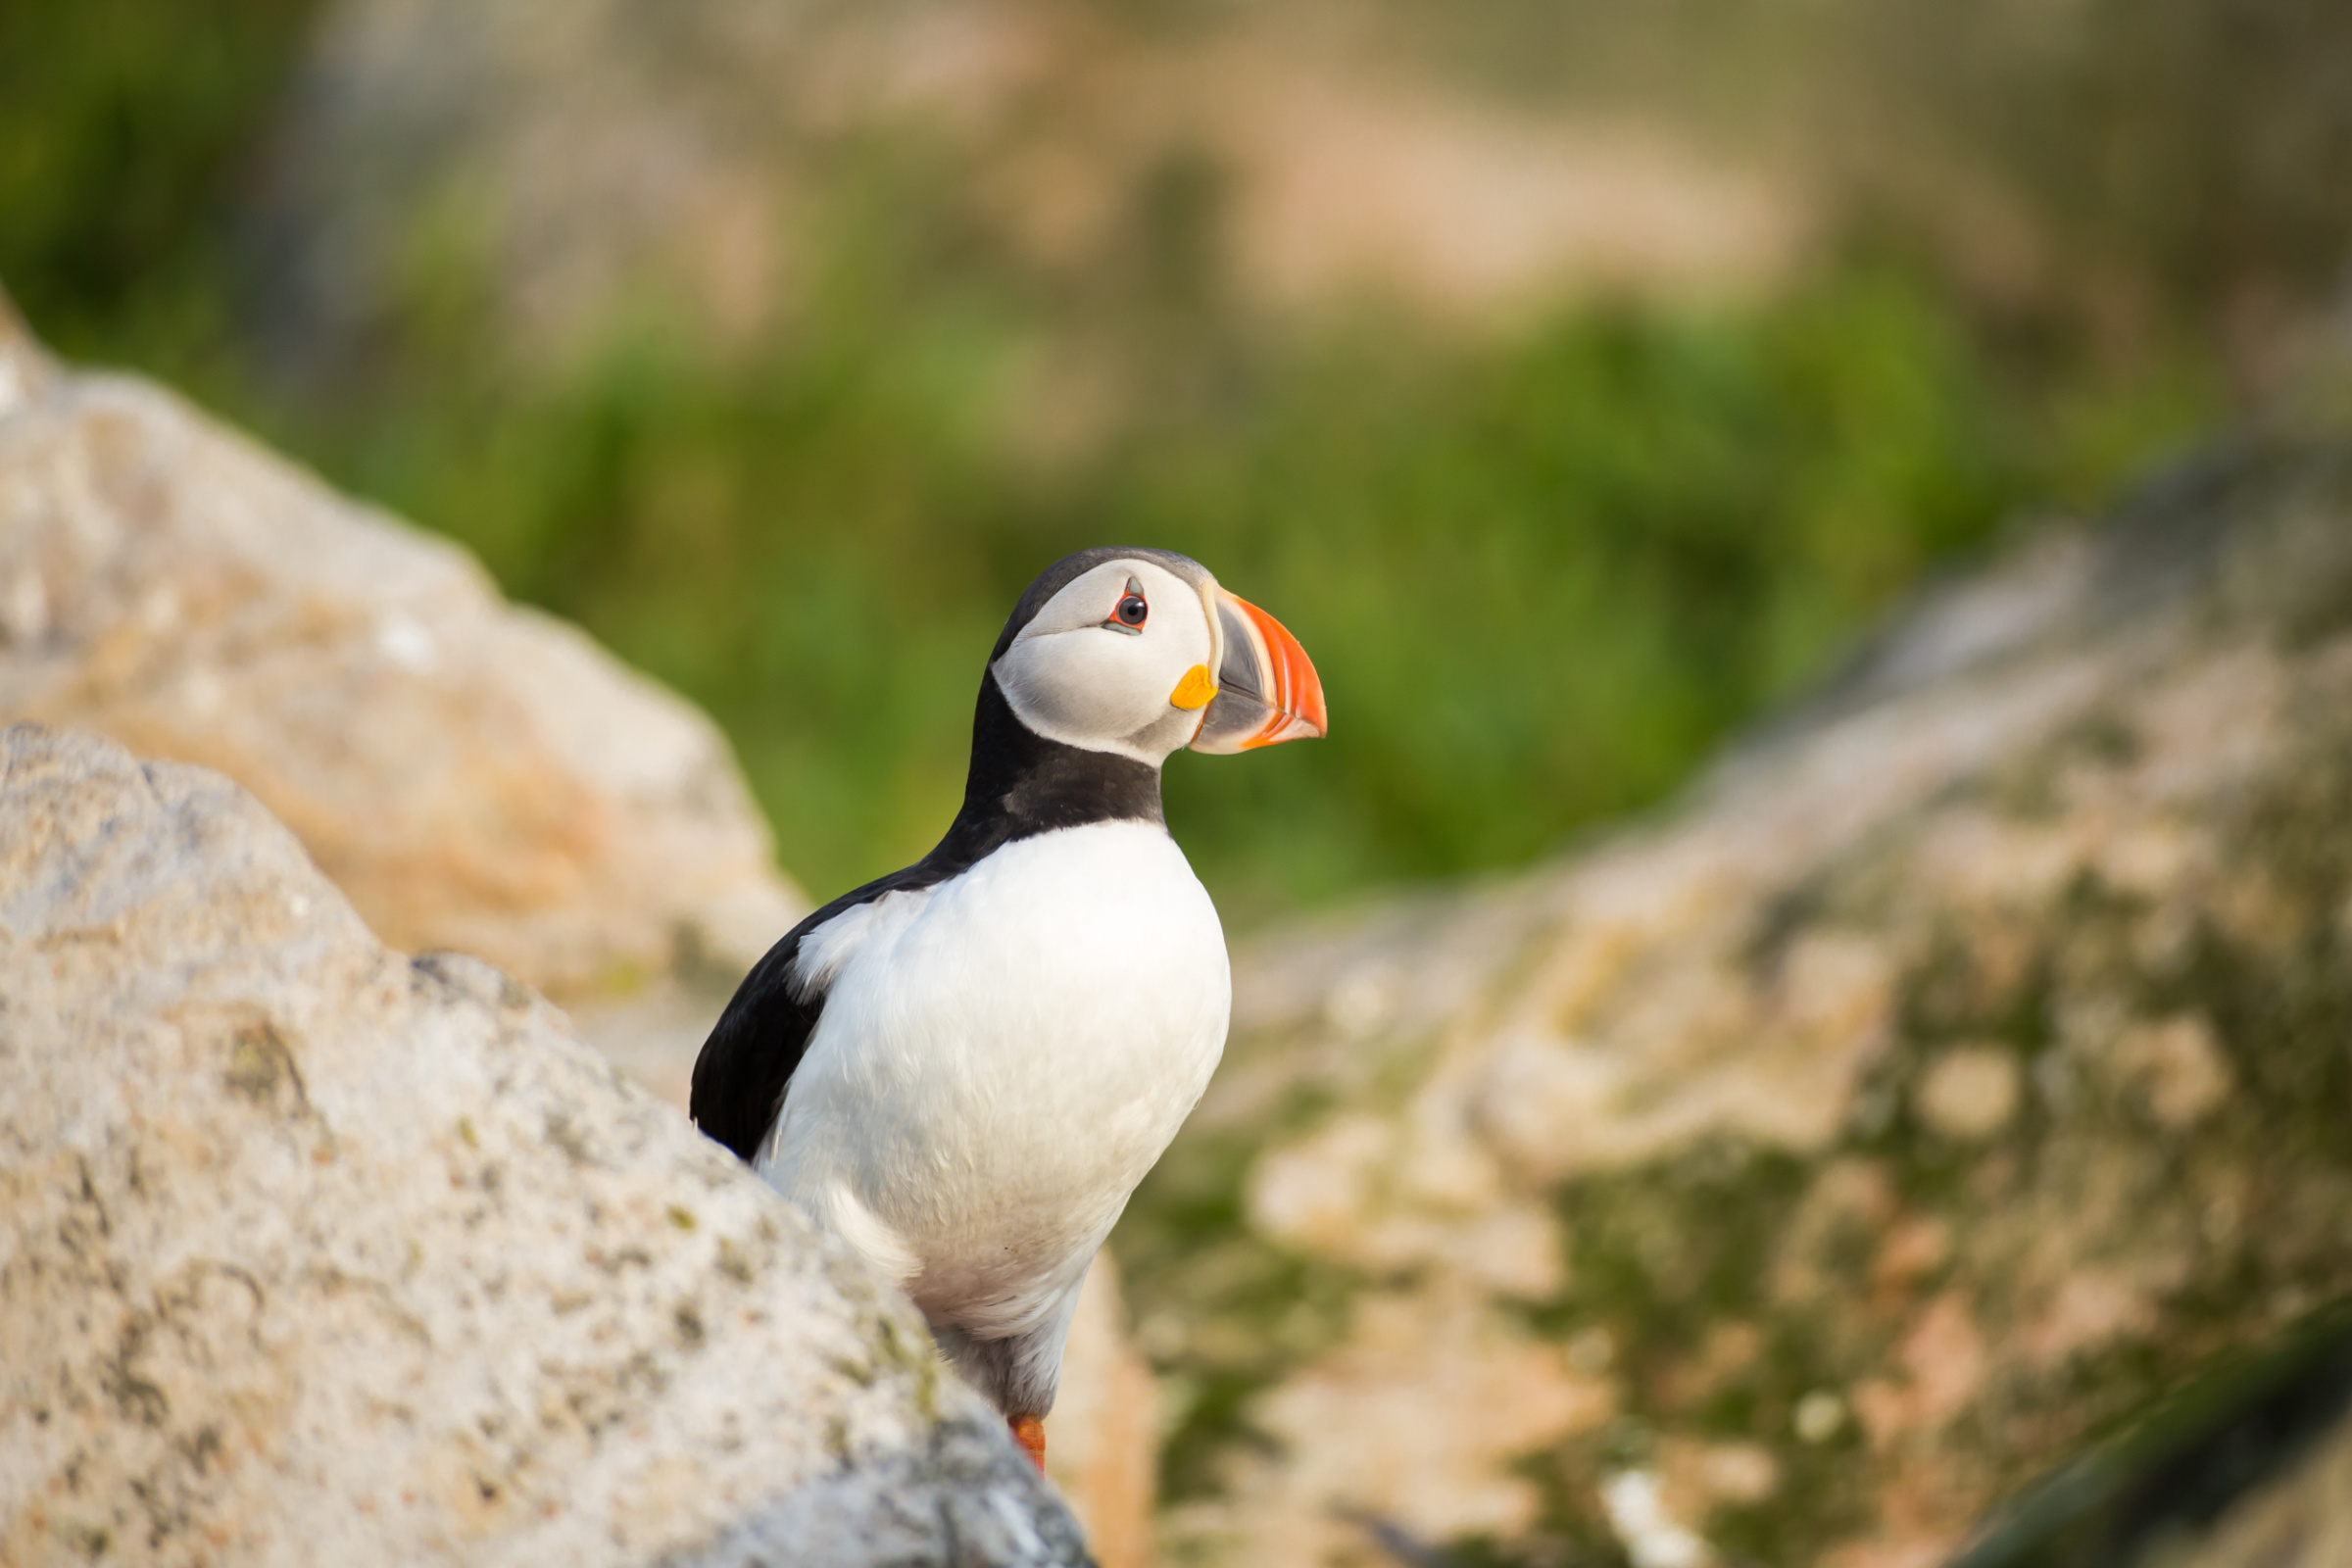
(1295, 690)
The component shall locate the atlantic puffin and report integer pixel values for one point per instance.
(964, 1068)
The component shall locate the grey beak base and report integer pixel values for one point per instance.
(1240, 708)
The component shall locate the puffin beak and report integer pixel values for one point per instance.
(1266, 690)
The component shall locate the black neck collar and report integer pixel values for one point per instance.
(1022, 784)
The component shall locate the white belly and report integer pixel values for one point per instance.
(1000, 1061)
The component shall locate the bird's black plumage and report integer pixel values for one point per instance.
(740, 1077)
(1020, 784)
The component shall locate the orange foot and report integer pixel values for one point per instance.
(1030, 1433)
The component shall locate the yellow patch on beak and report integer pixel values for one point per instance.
(1195, 690)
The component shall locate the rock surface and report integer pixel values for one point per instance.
(1790, 1176)
(471, 774)
(311, 1252)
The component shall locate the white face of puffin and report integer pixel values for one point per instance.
(1135, 660)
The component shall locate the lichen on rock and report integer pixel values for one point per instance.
(1957, 1065)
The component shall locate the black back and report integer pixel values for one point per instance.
(1020, 785)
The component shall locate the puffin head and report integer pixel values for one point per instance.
(1138, 652)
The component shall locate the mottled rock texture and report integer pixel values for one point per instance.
(473, 774)
(311, 1252)
(1790, 1176)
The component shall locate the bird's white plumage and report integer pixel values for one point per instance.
(1000, 1059)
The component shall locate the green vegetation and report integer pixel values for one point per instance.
(1538, 579)
(1540, 574)
(127, 133)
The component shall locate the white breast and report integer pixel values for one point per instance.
(1000, 1059)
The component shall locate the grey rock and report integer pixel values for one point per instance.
(311, 1252)
(962, 1498)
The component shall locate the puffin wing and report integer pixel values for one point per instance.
(748, 1062)
(745, 1066)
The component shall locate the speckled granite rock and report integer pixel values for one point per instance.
(1791, 1176)
(311, 1252)
(471, 774)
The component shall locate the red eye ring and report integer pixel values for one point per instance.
(1132, 611)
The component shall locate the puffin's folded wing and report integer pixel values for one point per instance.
(756, 1045)
(740, 1077)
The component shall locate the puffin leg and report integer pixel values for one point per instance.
(1030, 1433)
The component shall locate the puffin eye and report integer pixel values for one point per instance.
(1131, 612)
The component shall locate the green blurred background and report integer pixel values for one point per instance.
(1546, 540)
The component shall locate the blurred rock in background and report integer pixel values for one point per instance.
(1789, 1177)
(473, 774)
(2109, 159)
(580, 156)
